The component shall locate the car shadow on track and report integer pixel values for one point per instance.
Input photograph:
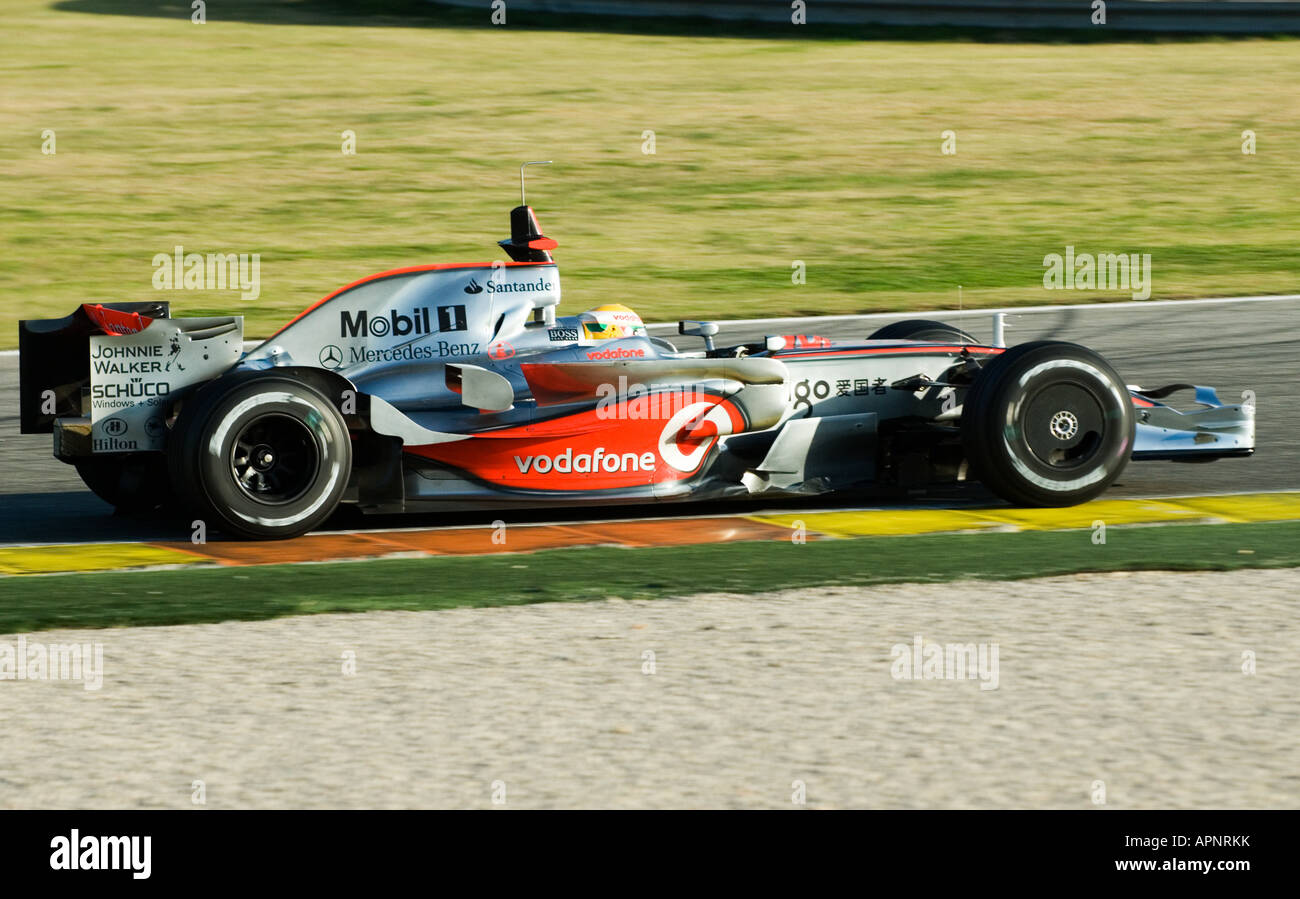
(81, 517)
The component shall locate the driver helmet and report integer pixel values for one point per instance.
(612, 321)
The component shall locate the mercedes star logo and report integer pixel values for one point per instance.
(331, 356)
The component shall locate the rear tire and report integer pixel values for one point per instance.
(265, 457)
(1047, 423)
(923, 329)
(131, 483)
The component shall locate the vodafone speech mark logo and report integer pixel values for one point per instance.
(616, 353)
(690, 433)
(579, 452)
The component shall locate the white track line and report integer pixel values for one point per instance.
(946, 313)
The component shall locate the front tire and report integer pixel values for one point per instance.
(1048, 423)
(265, 457)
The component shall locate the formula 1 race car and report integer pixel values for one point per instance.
(442, 387)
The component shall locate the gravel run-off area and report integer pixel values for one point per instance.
(1126, 690)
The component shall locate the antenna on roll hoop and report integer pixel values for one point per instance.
(522, 201)
(527, 243)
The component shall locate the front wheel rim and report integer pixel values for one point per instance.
(1064, 426)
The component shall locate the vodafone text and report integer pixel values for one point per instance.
(584, 463)
(616, 353)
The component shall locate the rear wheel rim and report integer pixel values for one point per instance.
(274, 459)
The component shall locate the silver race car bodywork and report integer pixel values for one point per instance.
(460, 386)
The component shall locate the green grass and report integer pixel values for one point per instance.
(770, 148)
(576, 575)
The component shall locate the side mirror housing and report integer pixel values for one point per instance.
(707, 330)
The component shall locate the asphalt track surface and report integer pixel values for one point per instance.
(1232, 345)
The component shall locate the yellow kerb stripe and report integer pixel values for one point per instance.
(898, 522)
(88, 557)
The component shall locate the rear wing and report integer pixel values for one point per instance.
(106, 377)
(54, 358)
